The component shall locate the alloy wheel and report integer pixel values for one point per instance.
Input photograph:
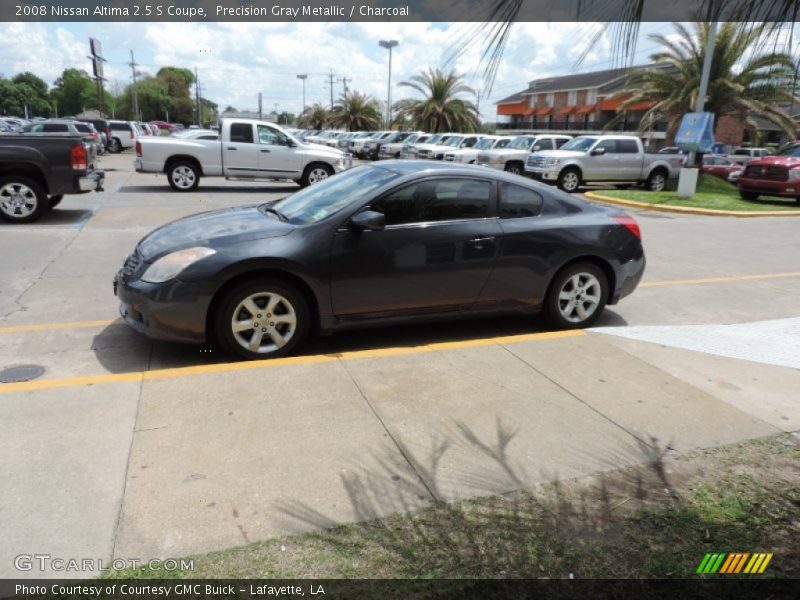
(579, 297)
(570, 181)
(317, 174)
(17, 200)
(264, 322)
(183, 177)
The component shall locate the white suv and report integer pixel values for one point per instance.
(123, 135)
(470, 155)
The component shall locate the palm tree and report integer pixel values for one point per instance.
(315, 117)
(744, 83)
(356, 112)
(442, 107)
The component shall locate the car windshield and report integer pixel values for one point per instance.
(789, 151)
(454, 141)
(521, 143)
(435, 139)
(333, 194)
(485, 143)
(412, 138)
(580, 144)
(502, 143)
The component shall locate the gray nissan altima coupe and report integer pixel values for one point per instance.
(387, 243)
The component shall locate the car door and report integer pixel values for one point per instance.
(603, 167)
(435, 254)
(240, 152)
(629, 161)
(276, 157)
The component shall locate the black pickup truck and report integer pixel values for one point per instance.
(37, 171)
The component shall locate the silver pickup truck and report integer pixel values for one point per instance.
(617, 159)
(247, 149)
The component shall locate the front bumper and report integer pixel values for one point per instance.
(92, 182)
(344, 164)
(173, 311)
(785, 189)
(542, 174)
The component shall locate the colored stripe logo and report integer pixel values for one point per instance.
(732, 563)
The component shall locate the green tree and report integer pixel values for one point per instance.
(168, 94)
(74, 92)
(315, 117)
(747, 80)
(356, 112)
(443, 106)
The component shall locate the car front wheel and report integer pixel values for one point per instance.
(569, 180)
(577, 296)
(314, 173)
(262, 319)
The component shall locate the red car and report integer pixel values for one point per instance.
(775, 175)
(163, 125)
(720, 166)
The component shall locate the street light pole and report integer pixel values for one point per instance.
(303, 79)
(389, 44)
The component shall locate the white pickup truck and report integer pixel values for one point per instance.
(511, 158)
(617, 159)
(248, 150)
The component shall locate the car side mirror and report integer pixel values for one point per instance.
(598, 152)
(291, 143)
(536, 148)
(368, 220)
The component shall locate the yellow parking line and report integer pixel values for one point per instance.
(50, 326)
(724, 279)
(49, 384)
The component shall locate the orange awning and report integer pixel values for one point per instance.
(586, 108)
(515, 108)
(616, 104)
(545, 111)
(640, 106)
(529, 111)
(567, 110)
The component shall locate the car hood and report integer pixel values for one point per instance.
(213, 229)
(560, 153)
(784, 161)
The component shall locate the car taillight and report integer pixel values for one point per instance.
(77, 158)
(133, 134)
(630, 224)
(138, 148)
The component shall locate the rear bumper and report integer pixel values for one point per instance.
(92, 182)
(628, 277)
(786, 189)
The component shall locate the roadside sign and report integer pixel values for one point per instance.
(696, 132)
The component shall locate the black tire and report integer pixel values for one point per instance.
(115, 146)
(22, 200)
(555, 306)
(748, 195)
(56, 200)
(312, 174)
(517, 168)
(569, 180)
(232, 300)
(656, 181)
(183, 176)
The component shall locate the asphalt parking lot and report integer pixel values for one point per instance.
(134, 449)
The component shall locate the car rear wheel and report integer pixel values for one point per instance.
(22, 200)
(183, 176)
(577, 296)
(657, 181)
(569, 180)
(515, 168)
(314, 173)
(748, 195)
(262, 319)
(115, 147)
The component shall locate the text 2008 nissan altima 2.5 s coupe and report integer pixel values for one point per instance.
(394, 242)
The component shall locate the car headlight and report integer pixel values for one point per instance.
(552, 162)
(794, 174)
(169, 266)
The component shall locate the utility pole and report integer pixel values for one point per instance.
(330, 84)
(133, 66)
(344, 81)
(197, 97)
(303, 78)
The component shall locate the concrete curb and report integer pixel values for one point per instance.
(687, 210)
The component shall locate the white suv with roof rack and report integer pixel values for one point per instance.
(454, 141)
(470, 155)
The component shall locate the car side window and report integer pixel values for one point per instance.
(627, 147)
(518, 202)
(55, 128)
(469, 142)
(436, 200)
(610, 146)
(544, 144)
(242, 133)
(561, 142)
(272, 137)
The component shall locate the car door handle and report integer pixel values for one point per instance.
(264, 150)
(231, 148)
(480, 242)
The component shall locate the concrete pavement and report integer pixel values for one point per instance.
(205, 458)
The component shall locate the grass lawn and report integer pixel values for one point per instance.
(712, 192)
(656, 520)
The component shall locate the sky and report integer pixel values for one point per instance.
(236, 61)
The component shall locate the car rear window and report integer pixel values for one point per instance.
(55, 128)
